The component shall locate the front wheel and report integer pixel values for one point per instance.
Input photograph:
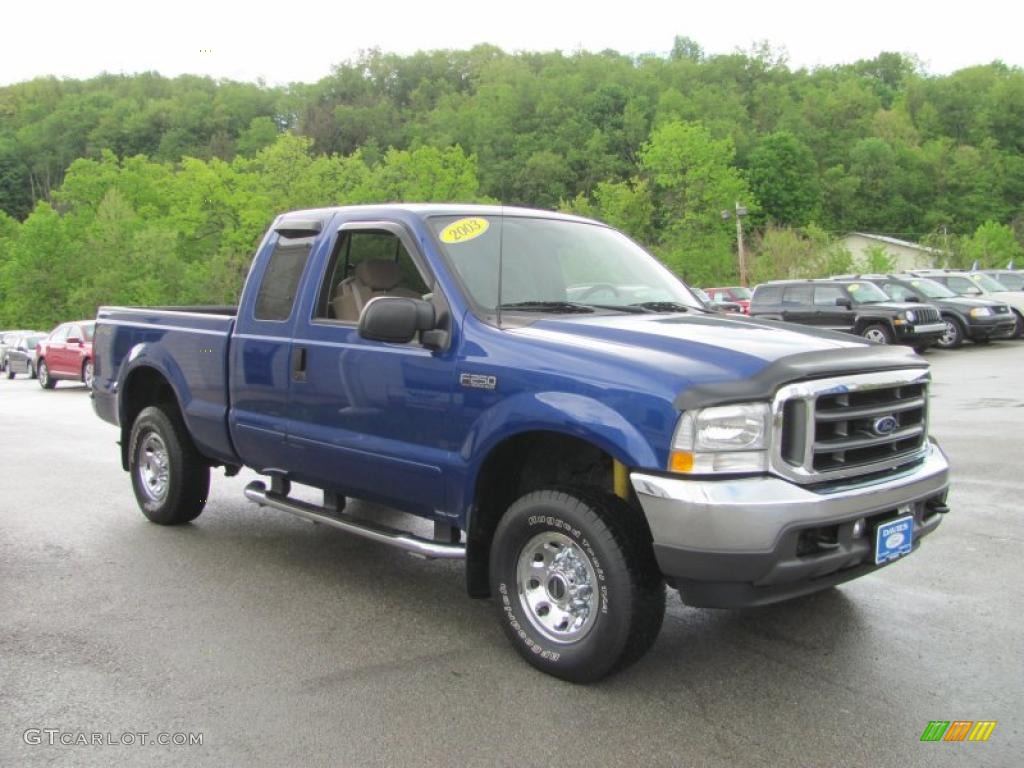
(1018, 328)
(87, 374)
(578, 591)
(10, 372)
(877, 333)
(169, 477)
(954, 335)
(45, 380)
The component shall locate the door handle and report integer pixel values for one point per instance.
(298, 363)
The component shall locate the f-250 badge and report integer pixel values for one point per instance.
(478, 381)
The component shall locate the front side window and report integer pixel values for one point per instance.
(87, 331)
(367, 264)
(931, 289)
(898, 292)
(281, 278)
(554, 262)
(963, 286)
(865, 293)
(60, 334)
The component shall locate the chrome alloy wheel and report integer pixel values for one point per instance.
(949, 338)
(87, 374)
(875, 334)
(557, 587)
(154, 467)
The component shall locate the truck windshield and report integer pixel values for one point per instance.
(556, 265)
(931, 289)
(1012, 281)
(865, 293)
(988, 283)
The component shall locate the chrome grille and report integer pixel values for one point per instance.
(926, 315)
(843, 427)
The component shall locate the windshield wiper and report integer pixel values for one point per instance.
(567, 307)
(664, 306)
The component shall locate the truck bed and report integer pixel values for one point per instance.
(189, 345)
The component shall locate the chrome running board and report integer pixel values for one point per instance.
(257, 491)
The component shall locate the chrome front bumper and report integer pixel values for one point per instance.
(745, 533)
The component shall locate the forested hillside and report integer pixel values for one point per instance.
(144, 189)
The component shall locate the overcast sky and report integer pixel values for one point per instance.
(299, 41)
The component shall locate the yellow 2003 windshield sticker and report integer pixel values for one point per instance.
(464, 230)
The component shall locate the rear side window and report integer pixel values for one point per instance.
(281, 278)
(826, 295)
(768, 294)
(797, 296)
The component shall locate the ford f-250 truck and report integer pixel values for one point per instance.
(577, 427)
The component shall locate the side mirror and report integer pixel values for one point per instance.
(396, 320)
(842, 301)
(74, 340)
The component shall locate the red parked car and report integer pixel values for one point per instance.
(66, 354)
(735, 293)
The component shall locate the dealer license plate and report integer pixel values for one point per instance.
(893, 539)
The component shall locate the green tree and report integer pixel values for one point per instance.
(993, 245)
(784, 178)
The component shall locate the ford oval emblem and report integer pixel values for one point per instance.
(884, 425)
(894, 540)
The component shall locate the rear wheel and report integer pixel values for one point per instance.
(45, 380)
(169, 477)
(878, 333)
(954, 335)
(578, 592)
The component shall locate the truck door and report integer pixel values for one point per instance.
(829, 314)
(259, 363)
(370, 419)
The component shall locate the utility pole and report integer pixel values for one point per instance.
(739, 212)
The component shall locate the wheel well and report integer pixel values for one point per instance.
(143, 387)
(522, 464)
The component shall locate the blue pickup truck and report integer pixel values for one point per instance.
(579, 429)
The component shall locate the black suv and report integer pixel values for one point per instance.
(965, 318)
(854, 306)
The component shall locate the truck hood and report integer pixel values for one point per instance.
(691, 350)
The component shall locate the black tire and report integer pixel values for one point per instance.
(10, 373)
(32, 371)
(954, 336)
(878, 332)
(45, 380)
(629, 593)
(1018, 329)
(181, 495)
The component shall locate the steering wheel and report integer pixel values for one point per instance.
(599, 287)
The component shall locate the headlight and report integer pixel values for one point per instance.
(980, 312)
(725, 438)
(910, 316)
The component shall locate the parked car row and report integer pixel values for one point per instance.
(63, 354)
(919, 308)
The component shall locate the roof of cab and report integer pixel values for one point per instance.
(435, 209)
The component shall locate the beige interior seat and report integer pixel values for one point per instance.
(372, 278)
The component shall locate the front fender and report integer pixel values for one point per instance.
(566, 413)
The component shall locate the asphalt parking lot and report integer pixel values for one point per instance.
(283, 643)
